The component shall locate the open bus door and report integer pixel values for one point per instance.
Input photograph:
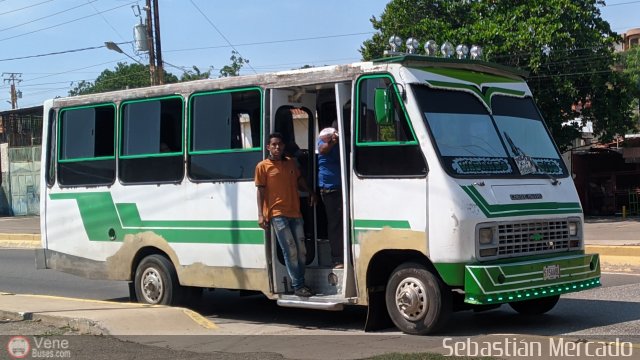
(295, 113)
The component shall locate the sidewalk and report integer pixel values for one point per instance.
(104, 317)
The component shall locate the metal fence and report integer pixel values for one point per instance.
(21, 130)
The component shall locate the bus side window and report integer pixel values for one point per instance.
(384, 149)
(224, 135)
(86, 155)
(151, 145)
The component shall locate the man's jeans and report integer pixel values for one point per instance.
(333, 204)
(290, 234)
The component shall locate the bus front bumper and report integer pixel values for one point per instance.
(517, 281)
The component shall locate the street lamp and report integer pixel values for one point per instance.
(113, 46)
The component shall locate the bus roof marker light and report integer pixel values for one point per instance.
(430, 48)
(476, 52)
(395, 42)
(412, 45)
(446, 49)
(462, 51)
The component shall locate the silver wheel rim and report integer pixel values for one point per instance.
(411, 299)
(152, 286)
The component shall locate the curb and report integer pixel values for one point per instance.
(87, 325)
(84, 326)
(20, 241)
(614, 250)
(621, 258)
(19, 237)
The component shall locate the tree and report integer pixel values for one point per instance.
(233, 69)
(195, 74)
(564, 44)
(124, 76)
(631, 67)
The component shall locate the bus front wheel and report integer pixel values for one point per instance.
(417, 300)
(156, 281)
(535, 306)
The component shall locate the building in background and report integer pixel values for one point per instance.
(606, 175)
(20, 144)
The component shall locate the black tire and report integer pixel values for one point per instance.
(417, 300)
(535, 306)
(156, 282)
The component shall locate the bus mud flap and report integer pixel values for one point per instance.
(377, 315)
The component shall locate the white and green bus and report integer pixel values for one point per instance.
(455, 196)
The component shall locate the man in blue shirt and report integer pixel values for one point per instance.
(331, 191)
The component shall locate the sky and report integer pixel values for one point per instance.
(273, 34)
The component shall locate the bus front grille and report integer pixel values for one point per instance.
(532, 237)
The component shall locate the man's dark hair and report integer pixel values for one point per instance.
(275, 135)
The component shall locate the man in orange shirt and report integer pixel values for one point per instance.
(278, 179)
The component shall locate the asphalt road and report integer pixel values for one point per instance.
(606, 313)
(613, 309)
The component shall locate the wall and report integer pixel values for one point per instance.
(24, 180)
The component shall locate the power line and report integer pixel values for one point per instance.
(70, 71)
(65, 23)
(26, 7)
(105, 20)
(45, 17)
(273, 41)
(624, 3)
(221, 34)
(61, 52)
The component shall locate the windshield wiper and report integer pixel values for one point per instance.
(520, 158)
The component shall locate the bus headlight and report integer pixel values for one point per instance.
(573, 228)
(485, 236)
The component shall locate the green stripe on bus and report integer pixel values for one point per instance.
(541, 208)
(100, 214)
(475, 77)
(379, 224)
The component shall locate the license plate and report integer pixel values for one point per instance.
(551, 272)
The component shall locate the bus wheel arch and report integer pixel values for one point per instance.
(155, 280)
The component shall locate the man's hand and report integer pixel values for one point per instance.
(312, 199)
(262, 222)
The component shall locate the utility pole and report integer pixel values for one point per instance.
(156, 26)
(11, 78)
(152, 58)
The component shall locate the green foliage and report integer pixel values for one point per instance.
(579, 66)
(124, 76)
(195, 74)
(233, 69)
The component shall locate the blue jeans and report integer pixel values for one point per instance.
(290, 234)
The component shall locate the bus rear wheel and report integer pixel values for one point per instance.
(156, 281)
(535, 306)
(417, 300)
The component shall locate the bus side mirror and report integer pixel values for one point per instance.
(383, 106)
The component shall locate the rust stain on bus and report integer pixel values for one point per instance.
(374, 241)
(119, 267)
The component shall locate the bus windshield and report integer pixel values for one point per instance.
(472, 142)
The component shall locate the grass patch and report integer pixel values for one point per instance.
(424, 356)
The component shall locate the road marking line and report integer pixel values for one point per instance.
(200, 320)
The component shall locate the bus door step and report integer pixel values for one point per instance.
(311, 303)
